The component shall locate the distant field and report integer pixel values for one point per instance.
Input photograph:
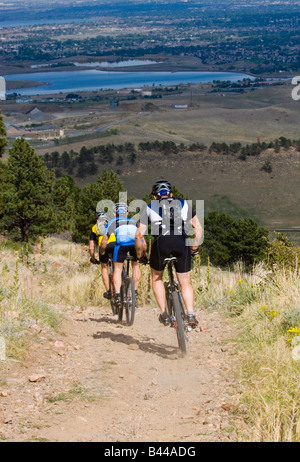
(267, 113)
(225, 183)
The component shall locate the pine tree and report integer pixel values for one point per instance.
(65, 197)
(108, 186)
(26, 194)
(3, 141)
(3, 174)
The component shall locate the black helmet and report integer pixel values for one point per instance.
(161, 188)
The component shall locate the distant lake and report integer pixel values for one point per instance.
(103, 64)
(36, 22)
(92, 79)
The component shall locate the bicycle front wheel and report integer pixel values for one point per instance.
(179, 315)
(129, 300)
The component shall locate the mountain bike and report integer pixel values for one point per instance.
(175, 305)
(128, 297)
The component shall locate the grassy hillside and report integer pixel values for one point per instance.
(226, 183)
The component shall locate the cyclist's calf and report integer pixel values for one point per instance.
(187, 290)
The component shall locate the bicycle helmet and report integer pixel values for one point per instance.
(121, 208)
(101, 215)
(161, 188)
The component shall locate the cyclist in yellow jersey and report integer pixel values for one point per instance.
(96, 237)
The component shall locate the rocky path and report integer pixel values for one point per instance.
(97, 380)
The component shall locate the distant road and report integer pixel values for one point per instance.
(105, 127)
(96, 130)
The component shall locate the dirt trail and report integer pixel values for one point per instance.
(97, 380)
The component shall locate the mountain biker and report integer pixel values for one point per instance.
(96, 236)
(170, 239)
(124, 229)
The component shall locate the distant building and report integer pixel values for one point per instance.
(24, 99)
(180, 106)
(48, 132)
(2, 89)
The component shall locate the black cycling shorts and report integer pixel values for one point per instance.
(167, 246)
(121, 251)
(109, 251)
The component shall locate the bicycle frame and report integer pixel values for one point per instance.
(126, 266)
(128, 299)
(173, 284)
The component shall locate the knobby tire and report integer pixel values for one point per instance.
(112, 298)
(179, 314)
(130, 300)
(123, 295)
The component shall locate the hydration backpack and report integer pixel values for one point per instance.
(171, 213)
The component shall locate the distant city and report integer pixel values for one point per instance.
(255, 36)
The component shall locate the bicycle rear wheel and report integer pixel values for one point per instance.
(179, 315)
(129, 300)
(112, 297)
(120, 312)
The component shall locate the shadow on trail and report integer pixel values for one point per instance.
(145, 345)
(107, 319)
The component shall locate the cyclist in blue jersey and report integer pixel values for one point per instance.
(124, 229)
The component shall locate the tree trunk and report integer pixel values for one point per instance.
(25, 230)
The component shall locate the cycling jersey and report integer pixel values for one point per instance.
(169, 218)
(94, 236)
(124, 229)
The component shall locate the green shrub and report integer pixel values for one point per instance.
(228, 241)
(282, 253)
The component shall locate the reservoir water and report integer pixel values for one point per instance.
(94, 79)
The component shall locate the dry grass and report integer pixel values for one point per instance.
(262, 306)
(267, 327)
(264, 309)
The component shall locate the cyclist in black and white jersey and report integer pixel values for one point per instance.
(169, 218)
